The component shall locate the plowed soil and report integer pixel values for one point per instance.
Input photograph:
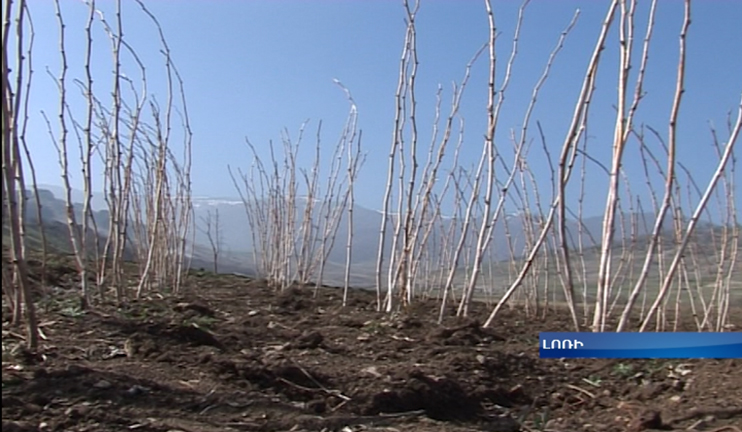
(231, 354)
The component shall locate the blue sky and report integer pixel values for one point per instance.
(253, 68)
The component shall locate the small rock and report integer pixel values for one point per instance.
(317, 406)
(137, 390)
(164, 358)
(74, 370)
(102, 384)
(652, 390)
(31, 408)
(309, 340)
(16, 426)
(198, 308)
(504, 424)
(647, 420)
(77, 411)
(371, 370)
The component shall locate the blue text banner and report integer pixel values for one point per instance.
(640, 345)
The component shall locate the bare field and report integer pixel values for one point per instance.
(229, 354)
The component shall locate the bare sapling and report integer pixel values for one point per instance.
(463, 245)
(139, 211)
(529, 223)
(489, 150)
(155, 220)
(86, 148)
(118, 194)
(20, 108)
(61, 144)
(691, 225)
(622, 130)
(520, 149)
(532, 238)
(307, 229)
(716, 308)
(680, 281)
(723, 300)
(183, 197)
(167, 238)
(419, 192)
(448, 233)
(581, 235)
(20, 101)
(179, 204)
(213, 232)
(290, 209)
(567, 157)
(113, 190)
(399, 256)
(699, 257)
(491, 216)
(334, 202)
(671, 163)
(395, 144)
(290, 244)
(13, 184)
(629, 237)
(253, 209)
(144, 184)
(339, 197)
(39, 206)
(354, 161)
(352, 173)
(425, 199)
(646, 156)
(566, 274)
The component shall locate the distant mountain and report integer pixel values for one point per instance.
(54, 208)
(236, 234)
(510, 231)
(54, 216)
(237, 242)
(97, 200)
